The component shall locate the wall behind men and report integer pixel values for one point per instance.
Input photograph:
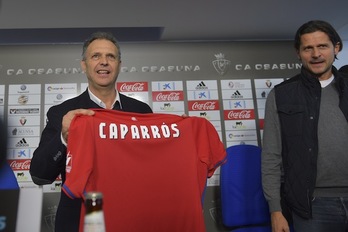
(342, 56)
(225, 82)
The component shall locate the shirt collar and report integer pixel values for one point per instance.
(101, 103)
(325, 83)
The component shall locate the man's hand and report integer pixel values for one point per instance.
(69, 117)
(279, 223)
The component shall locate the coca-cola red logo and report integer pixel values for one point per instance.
(19, 164)
(132, 86)
(261, 123)
(245, 114)
(167, 96)
(204, 105)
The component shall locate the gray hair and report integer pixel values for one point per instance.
(100, 35)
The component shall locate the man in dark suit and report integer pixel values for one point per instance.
(101, 61)
(3, 142)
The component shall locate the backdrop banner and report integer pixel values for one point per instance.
(225, 82)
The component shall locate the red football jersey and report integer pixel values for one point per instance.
(151, 168)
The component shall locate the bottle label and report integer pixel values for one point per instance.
(94, 222)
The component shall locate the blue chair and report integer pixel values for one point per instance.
(243, 205)
(8, 179)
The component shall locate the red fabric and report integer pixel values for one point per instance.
(152, 177)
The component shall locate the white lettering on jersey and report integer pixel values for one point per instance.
(176, 130)
(113, 131)
(101, 128)
(144, 132)
(124, 130)
(121, 131)
(135, 132)
(155, 132)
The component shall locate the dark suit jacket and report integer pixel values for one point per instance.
(3, 142)
(49, 158)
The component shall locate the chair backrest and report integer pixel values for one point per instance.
(8, 179)
(242, 199)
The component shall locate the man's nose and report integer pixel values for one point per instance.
(316, 52)
(103, 60)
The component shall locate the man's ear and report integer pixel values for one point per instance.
(337, 48)
(83, 65)
(298, 55)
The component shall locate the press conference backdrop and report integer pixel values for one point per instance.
(225, 82)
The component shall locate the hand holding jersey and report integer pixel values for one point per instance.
(67, 118)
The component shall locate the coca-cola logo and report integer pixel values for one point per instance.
(20, 164)
(132, 87)
(242, 114)
(208, 105)
(170, 96)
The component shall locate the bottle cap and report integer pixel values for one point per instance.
(93, 195)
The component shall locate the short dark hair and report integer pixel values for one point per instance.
(100, 35)
(318, 25)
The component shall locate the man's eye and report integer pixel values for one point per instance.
(95, 57)
(111, 57)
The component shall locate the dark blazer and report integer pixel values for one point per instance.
(49, 158)
(3, 142)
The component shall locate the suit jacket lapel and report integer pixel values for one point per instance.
(85, 101)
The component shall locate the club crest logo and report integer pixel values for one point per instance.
(221, 64)
(22, 121)
(268, 83)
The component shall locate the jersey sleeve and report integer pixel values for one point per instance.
(211, 149)
(79, 161)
